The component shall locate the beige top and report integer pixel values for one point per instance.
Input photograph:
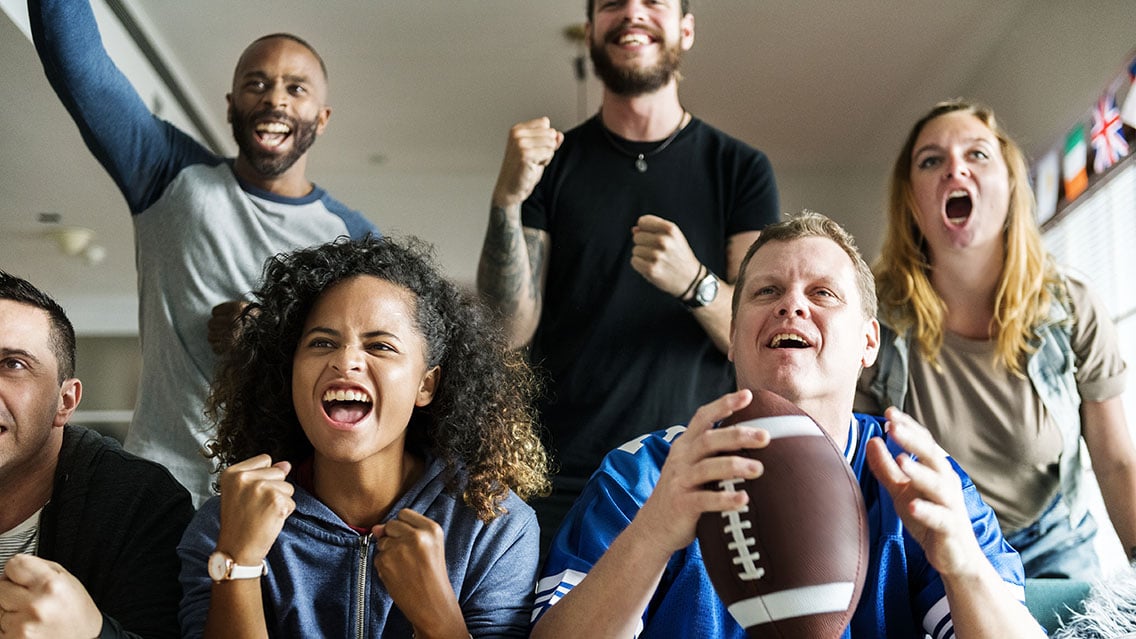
(993, 423)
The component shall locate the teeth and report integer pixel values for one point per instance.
(273, 127)
(341, 395)
(957, 193)
(634, 39)
(786, 337)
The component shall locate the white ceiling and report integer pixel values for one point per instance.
(424, 91)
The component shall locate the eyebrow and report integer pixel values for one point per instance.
(291, 77)
(324, 330)
(18, 352)
(938, 147)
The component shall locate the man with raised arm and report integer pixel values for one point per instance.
(203, 224)
(626, 562)
(612, 249)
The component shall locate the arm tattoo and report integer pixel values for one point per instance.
(502, 270)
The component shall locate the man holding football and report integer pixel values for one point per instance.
(625, 563)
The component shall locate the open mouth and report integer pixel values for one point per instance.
(633, 40)
(959, 207)
(788, 340)
(271, 134)
(346, 406)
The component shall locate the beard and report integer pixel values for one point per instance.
(631, 82)
(267, 163)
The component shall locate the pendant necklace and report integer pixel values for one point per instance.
(641, 158)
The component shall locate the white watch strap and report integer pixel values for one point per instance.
(237, 571)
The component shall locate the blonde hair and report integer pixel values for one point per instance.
(1029, 280)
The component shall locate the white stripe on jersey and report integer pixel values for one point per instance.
(935, 618)
(941, 610)
(551, 589)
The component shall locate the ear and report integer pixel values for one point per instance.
(427, 387)
(229, 108)
(588, 33)
(871, 342)
(70, 392)
(322, 118)
(730, 349)
(686, 28)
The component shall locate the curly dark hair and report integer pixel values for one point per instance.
(481, 423)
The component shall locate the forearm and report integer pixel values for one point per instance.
(114, 121)
(982, 606)
(610, 601)
(236, 611)
(1105, 429)
(1118, 487)
(508, 273)
(715, 317)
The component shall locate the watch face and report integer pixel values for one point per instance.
(218, 566)
(707, 290)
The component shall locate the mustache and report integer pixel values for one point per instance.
(272, 114)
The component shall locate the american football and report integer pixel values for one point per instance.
(792, 562)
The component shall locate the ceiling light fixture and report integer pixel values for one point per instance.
(78, 241)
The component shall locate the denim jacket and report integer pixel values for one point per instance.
(1050, 369)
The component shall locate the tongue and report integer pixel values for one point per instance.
(271, 139)
(347, 412)
(958, 208)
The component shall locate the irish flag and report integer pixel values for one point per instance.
(1073, 166)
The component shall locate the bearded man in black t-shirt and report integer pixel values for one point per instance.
(612, 249)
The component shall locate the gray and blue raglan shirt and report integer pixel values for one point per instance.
(201, 235)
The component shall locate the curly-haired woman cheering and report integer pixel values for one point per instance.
(377, 439)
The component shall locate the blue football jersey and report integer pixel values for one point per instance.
(903, 594)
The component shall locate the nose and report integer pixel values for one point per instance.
(792, 303)
(277, 96)
(347, 358)
(634, 11)
(957, 166)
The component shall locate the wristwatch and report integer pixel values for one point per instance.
(704, 291)
(223, 568)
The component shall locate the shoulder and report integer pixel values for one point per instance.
(644, 454)
(96, 461)
(357, 224)
(109, 496)
(582, 143)
(711, 137)
(1079, 299)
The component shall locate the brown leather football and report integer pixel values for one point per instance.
(792, 562)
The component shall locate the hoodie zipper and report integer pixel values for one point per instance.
(361, 586)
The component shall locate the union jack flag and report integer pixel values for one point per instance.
(1107, 135)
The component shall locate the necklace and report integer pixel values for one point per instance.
(641, 158)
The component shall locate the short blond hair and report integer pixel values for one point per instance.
(812, 224)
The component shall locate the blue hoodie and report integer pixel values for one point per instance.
(322, 582)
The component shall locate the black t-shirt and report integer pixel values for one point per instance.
(623, 357)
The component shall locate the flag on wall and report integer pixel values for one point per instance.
(1107, 135)
(1073, 165)
(1128, 113)
(1047, 173)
